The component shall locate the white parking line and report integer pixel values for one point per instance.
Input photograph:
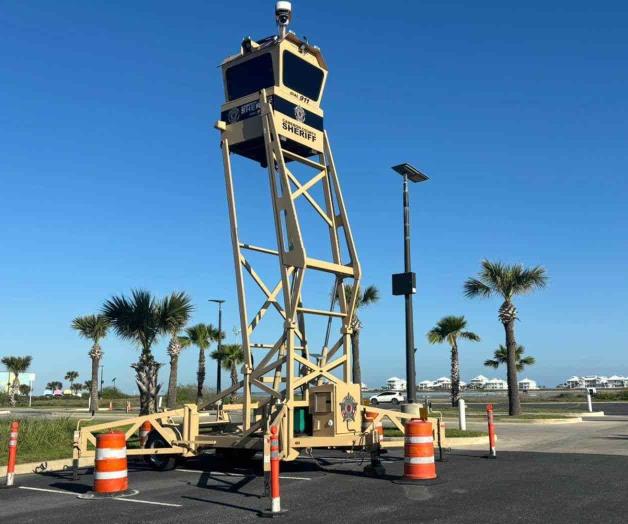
(49, 490)
(221, 474)
(148, 502)
(112, 498)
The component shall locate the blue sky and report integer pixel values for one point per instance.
(112, 177)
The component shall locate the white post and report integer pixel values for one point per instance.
(589, 403)
(462, 415)
(159, 403)
(89, 402)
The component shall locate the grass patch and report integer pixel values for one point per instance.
(38, 439)
(450, 433)
(41, 439)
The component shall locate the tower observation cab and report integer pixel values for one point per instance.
(292, 73)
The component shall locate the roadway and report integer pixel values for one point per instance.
(563, 473)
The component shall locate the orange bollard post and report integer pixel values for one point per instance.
(13, 432)
(491, 432)
(419, 451)
(145, 429)
(275, 498)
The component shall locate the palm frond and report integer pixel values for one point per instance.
(474, 288)
(470, 335)
(92, 327)
(449, 329)
(202, 335)
(175, 311)
(17, 365)
(137, 318)
(506, 280)
(490, 363)
(369, 296)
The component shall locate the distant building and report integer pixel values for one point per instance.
(442, 383)
(574, 382)
(396, 384)
(617, 382)
(425, 384)
(478, 382)
(527, 384)
(597, 381)
(496, 384)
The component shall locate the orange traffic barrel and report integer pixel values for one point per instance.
(419, 451)
(110, 471)
(145, 429)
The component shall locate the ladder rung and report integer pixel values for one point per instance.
(321, 312)
(330, 267)
(303, 160)
(257, 248)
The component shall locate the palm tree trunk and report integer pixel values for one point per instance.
(200, 375)
(172, 381)
(147, 370)
(355, 357)
(234, 374)
(95, 355)
(514, 406)
(14, 388)
(455, 377)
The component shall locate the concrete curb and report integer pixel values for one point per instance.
(467, 441)
(542, 421)
(49, 465)
(5, 412)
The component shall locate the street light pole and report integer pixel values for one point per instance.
(410, 369)
(405, 283)
(219, 360)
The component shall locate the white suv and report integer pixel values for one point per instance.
(396, 397)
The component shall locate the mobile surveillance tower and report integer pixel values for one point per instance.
(272, 117)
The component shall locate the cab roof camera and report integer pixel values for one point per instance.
(283, 15)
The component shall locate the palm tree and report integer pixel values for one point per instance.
(231, 355)
(449, 329)
(507, 281)
(201, 335)
(176, 310)
(94, 328)
(501, 357)
(140, 319)
(54, 385)
(87, 385)
(76, 388)
(16, 365)
(365, 298)
(71, 376)
(25, 389)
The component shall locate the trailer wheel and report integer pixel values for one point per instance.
(159, 462)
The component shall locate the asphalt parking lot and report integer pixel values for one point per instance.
(520, 486)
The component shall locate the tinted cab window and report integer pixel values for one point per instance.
(250, 76)
(302, 76)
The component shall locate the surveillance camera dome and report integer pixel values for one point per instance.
(283, 12)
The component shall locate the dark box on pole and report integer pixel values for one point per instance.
(404, 284)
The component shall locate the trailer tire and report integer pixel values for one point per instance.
(159, 462)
